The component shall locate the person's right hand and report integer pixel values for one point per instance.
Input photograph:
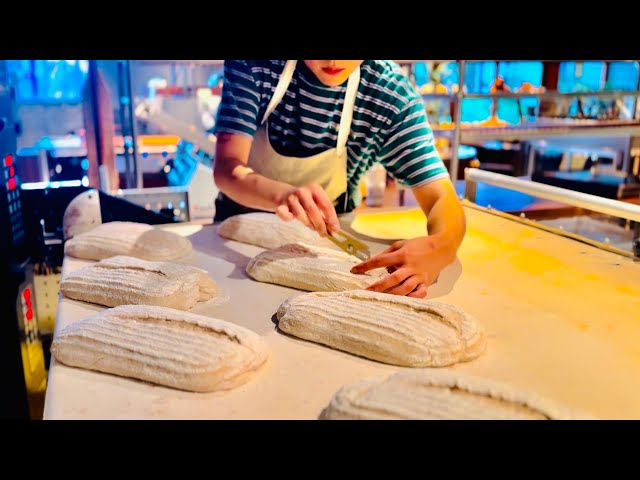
(311, 205)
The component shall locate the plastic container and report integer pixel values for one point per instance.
(376, 185)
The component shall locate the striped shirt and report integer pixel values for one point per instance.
(389, 122)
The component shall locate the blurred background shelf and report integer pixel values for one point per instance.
(524, 132)
(536, 117)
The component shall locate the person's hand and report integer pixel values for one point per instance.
(414, 264)
(311, 205)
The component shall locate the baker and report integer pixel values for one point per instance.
(295, 137)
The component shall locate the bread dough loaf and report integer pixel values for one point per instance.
(435, 394)
(312, 268)
(267, 230)
(389, 328)
(128, 238)
(163, 346)
(123, 280)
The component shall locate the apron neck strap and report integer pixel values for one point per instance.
(347, 108)
(281, 88)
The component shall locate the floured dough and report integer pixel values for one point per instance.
(123, 280)
(128, 238)
(312, 268)
(163, 346)
(267, 230)
(433, 394)
(389, 328)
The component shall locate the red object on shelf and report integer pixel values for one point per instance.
(175, 90)
(11, 184)
(8, 160)
(170, 91)
(551, 75)
(12, 172)
(27, 293)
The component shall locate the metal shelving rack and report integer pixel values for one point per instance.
(593, 128)
(181, 72)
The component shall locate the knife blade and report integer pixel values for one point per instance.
(350, 245)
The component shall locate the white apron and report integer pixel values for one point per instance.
(328, 169)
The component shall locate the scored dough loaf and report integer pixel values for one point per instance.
(267, 230)
(163, 346)
(124, 280)
(388, 328)
(128, 238)
(311, 268)
(434, 394)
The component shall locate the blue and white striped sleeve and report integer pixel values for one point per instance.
(409, 152)
(240, 104)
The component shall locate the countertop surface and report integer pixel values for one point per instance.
(562, 319)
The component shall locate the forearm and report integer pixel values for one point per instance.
(446, 221)
(244, 186)
(232, 175)
(238, 181)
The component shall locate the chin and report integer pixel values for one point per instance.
(333, 81)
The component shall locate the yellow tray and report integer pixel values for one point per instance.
(391, 225)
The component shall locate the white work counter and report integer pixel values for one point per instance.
(562, 319)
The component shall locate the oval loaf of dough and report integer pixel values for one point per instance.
(311, 268)
(123, 280)
(267, 230)
(436, 394)
(128, 238)
(163, 346)
(389, 328)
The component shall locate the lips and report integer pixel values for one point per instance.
(332, 71)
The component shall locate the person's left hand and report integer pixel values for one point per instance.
(414, 264)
